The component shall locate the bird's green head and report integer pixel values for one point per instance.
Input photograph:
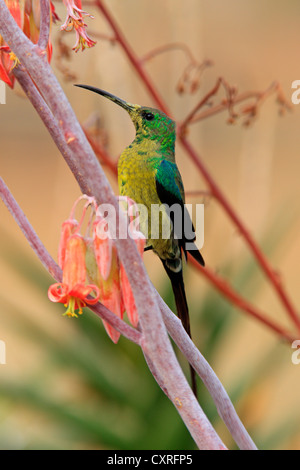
(150, 123)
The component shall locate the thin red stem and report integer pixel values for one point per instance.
(227, 291)
(216, 191)
(92, 180)
(205, 100)
(133, 58)
(260, 257)
(101, 153)
(225, 408)
(251, 110)
(168, 47)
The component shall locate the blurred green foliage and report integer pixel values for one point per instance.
(90, 393)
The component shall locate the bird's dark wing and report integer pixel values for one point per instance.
(170, 192)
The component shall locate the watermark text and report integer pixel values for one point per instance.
(296, 354)
(2, 93)
(2, 352)
(160, 222)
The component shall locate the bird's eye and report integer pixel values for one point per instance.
(148, 116)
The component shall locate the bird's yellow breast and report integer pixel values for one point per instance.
(136, 179)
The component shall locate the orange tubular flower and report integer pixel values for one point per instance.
(27, 15)
(7, 59)
(103, 247)
(68, 228)
(73, 291)
(109, 270)
(127, 294)
(111, 295)
(32, 22)
(132, 211)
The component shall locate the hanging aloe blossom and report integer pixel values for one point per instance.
(92, 271)
(74, 20)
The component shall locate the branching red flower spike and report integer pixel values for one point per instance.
(75, 21)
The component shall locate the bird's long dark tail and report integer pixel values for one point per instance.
(176, 279)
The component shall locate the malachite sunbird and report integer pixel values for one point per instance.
(148, 174)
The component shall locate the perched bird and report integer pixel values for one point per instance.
(148, 174)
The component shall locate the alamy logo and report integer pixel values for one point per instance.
(160, 222)
(2, 93)
(296, 354)
(2, 352)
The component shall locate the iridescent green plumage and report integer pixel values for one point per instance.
(140, 170)
(148, 174)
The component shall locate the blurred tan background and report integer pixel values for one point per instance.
(251, 44)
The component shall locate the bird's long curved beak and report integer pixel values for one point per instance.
(128, 106)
